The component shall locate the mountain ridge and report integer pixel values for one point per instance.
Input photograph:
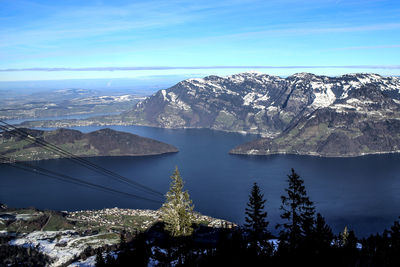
(272, 106)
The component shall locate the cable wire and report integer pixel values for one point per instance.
(52, 174)
(79, 160)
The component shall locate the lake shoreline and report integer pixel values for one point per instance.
(312, 154)
(360, 192)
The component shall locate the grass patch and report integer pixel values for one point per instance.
(56, 223)
(225, 119)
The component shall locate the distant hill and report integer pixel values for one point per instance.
(104, 142)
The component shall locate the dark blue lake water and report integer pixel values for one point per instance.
(362, 192)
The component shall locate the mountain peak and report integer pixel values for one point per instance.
(303, 75)
(252, 72)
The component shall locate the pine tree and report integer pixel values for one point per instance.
(323, 235)
(298, 211)
(394, 244)
(177, 211)
(317, 246)
(256, 223)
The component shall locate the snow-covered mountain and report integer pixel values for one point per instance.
(348, 115)
(259, 103)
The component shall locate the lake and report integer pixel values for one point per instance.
(361, 192)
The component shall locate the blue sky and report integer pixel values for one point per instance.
(45, 35)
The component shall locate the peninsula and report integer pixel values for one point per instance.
(104, 142)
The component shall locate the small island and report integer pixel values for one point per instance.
(103, 142)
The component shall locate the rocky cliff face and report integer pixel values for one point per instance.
(329, 133)
(363, 118)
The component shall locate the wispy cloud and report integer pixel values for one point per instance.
(202, 67)
(103, 20)
(307, 30)
(93, 21)
(367, 47)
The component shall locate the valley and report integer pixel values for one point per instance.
(64, 103)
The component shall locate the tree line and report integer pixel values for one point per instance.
(304, 239)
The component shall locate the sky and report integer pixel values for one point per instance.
(56, 40)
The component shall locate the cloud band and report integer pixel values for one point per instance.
(199, 67)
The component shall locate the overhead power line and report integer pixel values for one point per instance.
(52, 174)
(79, 160)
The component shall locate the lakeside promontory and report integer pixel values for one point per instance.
(104, 142)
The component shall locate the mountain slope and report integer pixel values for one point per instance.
(305, 113)
(247, 102)
(367, 121)
(349, 115)
(104, 142)
(251, 102)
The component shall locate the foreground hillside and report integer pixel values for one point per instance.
(104, 142)
(62, 238)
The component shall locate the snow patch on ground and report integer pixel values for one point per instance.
(324, 96)
(358, 101)
(197, 80)
(355, 84)
(249, 98)
(177, 102)
(164, 93)
(62, 246)
(343, 106)
(263, 98)
(345, 93)
(172, 96)
(317, 85)
(252, 99)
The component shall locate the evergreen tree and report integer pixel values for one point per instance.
(256, 223)
(177, 211)
(322, 234)
(318, 246)
(298, 211)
